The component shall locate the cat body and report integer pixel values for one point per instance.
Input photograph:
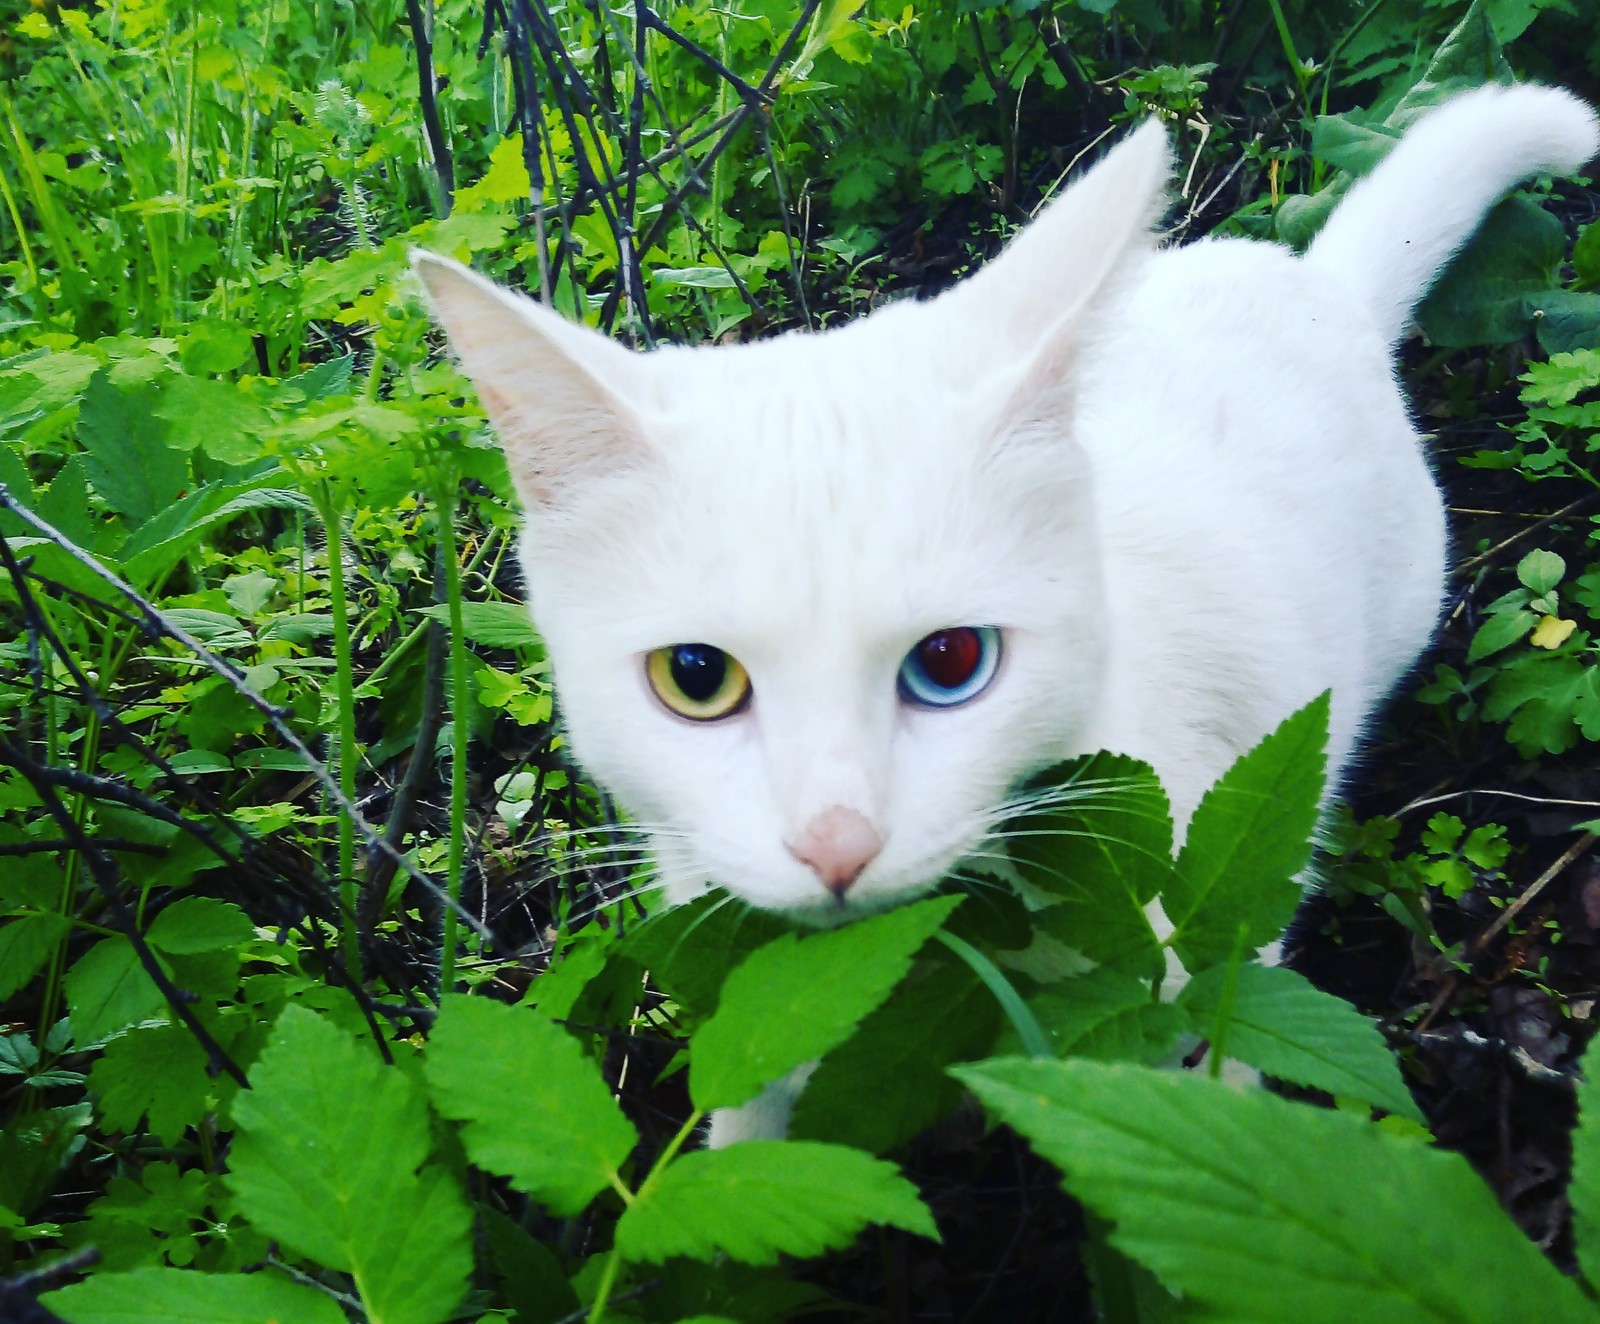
(1121, 498)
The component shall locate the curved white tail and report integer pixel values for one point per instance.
(1399, 226)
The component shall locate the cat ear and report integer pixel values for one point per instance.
(1052, 273)
(555, 392)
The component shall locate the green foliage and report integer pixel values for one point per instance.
(215, 379)
(1229, 1197)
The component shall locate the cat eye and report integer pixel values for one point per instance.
(948, 667)
(698, 681)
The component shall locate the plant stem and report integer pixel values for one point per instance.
(328, 507)
(458, 727)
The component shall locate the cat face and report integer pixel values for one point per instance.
(814, 604)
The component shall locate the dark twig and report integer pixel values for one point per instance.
(427, 87)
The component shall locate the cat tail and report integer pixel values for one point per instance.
(1395, 230)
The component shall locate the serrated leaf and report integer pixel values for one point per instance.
(1108, 1015)
(108, 990)
(690, 949)
(1279, 1023)
(182, 1296)
(25, 945)
(492, 624)
(1229, 1195)
(332, 1157)
(1583, 1193)
(764, 1198)
(155, 1071)
(126, 456)
(896, 1058)
(535, 1106)
(1249, 838)
(797, 998)
(1101, 846)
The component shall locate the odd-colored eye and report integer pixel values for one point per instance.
(950, 666)
(698, 681)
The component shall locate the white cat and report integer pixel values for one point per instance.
(815, 604)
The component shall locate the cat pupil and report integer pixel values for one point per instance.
(949, 657)
(698, 670)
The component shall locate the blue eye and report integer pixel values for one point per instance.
(949, 667)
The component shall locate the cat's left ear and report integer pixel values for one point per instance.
(557, 393)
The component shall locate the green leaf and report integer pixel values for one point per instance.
(1583, 1193)
(199, 924)
(126, 455)
(1100, 848)
(690, 949)
(492, 624)
(535, 1105)
(332, 1158)
(218, 417)
(1499, 631)
(25, 945)
(773, 1014)
(1108, 1015)
(1281, 1024)
(1249, 837)
(755, 1201)
(181, 1296)
(1484, 296)
(1540, 571)
(155, 1071)
(897, 1058)
(211, 345)
(1236, 1197)
(108, 990)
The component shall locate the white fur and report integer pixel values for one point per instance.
(1183, 483)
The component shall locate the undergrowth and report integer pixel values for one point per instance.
(328, 989)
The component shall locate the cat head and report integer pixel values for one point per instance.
(813, 604)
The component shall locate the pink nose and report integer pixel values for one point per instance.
(838, 844)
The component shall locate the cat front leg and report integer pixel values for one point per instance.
(765, 1117)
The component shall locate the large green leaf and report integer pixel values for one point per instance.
(1279, 1023)
(1254, 1207)
(535, 1106)
(940, 1014)
(1489, 294)
(332, 1158)
(128, 460)
(25, 945)
(690, 949)
(797, 998)
(765, 1198)
(182, 1296)
(1250, 836)
(108, 990)
(1099, 846)
(155, 1071)
(1584, 1191)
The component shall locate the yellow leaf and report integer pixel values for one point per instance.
(1551, 632)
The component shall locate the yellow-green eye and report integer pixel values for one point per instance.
(698, 681)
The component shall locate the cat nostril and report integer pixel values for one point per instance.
(837, 845)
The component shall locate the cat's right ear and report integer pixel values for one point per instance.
(555, 392)
(1033, 300)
